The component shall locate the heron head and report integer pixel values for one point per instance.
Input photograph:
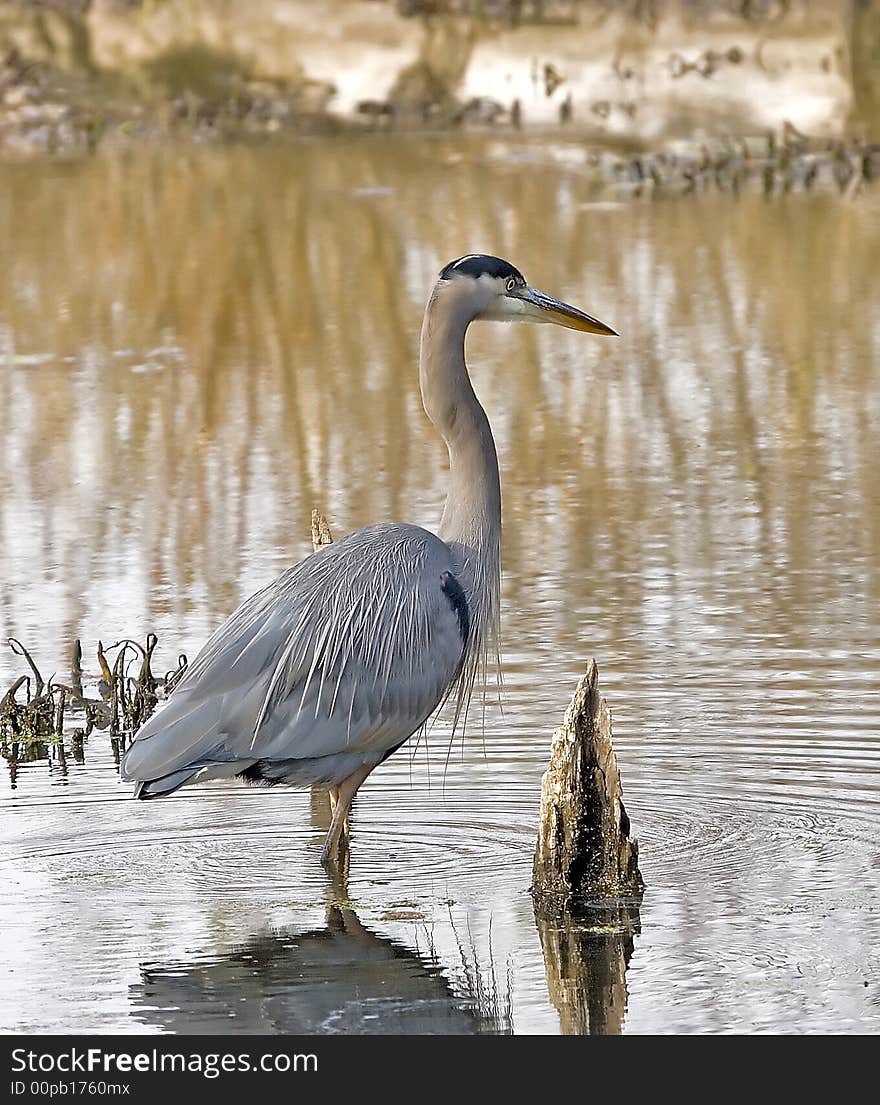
(502, 294)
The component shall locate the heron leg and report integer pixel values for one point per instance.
(345, 792)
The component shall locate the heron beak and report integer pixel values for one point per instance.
(538, 307)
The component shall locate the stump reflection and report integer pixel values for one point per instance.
(585, 959)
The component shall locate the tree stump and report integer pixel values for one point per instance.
(584, 851)
(320, 800)
(321, 534)
(586, 882)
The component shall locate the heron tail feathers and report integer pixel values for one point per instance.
(167, 784)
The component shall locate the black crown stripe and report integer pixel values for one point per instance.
(481, 264)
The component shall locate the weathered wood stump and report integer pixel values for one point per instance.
(321, 534)
(586, 881)
(320, 803)
(584, 851)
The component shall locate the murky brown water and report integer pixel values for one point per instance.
(197, 347)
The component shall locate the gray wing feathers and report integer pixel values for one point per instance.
(348, 651)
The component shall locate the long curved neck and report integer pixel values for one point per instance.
(472, 516)
(471, 523)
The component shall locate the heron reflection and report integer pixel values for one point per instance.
(342, 977)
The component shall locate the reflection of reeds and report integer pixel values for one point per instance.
(270, 318)
(478, 985)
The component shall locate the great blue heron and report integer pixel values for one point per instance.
(323, 674)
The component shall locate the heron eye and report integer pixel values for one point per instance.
(511, 284)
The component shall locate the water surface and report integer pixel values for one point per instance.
(198, 347)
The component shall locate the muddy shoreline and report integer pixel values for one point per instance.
(79, 75)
